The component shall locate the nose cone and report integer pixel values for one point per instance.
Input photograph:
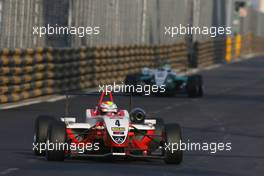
(117, 128)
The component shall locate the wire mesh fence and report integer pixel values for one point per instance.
(121, 22)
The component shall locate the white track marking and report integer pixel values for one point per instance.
(16, 105)
(212, 67)
(31, 102)
(48, 98)
(9, 171)
(56, 99)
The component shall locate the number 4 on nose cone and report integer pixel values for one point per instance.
(117, 123)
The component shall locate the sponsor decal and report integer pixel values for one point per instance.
(118, 133)
(118, 129)
(119, 139)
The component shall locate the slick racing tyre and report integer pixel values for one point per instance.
(173, 137)
(40, 132)
(57, 140)
(194, 86)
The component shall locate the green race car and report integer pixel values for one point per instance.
(167, 82)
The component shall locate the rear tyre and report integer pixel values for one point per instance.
(40, 132)
(194, 86)
(173, 136)
(56, 137)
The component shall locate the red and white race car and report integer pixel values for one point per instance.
(107, 131)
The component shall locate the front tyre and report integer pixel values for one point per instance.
(40, 132)
(56, 139)
(172, 137)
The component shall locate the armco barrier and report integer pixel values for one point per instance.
(28, 73)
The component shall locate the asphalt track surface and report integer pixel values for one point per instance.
(232, 110)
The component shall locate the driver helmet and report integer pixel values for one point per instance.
(108, 106)
(166, 67)
(145, 71)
